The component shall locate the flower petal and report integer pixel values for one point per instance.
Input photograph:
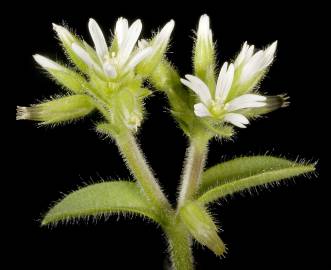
(163, 36)
(253, 66)
(47, 63)
(242, 55)
(256, 63)
(245, 55)
(199, 87)
(121, 30)
(201, 110)
(98, 39)
(142, 44)
(81, 53)
(130, 41)
(269, 53)
(135, 60)
(236, 119)
(224, 82)
(246, 101)
(249, 53)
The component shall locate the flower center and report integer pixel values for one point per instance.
(218, 110)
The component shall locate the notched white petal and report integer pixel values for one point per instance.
(47, 63)
(245, 55)
(142, 43)
(121, 30)
(98, 39)
(224, 82)
(236, 119)
(162, 38)
(242, 55)
(82, 54)
(130, 41)
(253, 64)
(199, 87)
(249, 53)
(269, 53)
(246, 101)
(135, 60)
(252, 67)
(201, 110)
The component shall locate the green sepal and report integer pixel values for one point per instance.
(218, 130)
(69, 79)
(58, 110)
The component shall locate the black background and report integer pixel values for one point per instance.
(283, 226)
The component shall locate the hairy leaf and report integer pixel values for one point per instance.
(246, 172)
(102, 199)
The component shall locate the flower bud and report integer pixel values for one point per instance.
(272, 103)
(57, 110)
(204, 52)
(251, 67)
(64, 35)
(202, 227)
(159, 45)
(67, 39)
(127, 108)
(62, 75)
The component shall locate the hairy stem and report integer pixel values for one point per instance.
(138, 166)
(194, 165)
(179, 246)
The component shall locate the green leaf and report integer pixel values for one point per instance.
(247, 172)
(102, 199)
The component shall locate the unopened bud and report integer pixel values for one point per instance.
(202, 227)
(66, 77)
(57, 110)
(204, 51)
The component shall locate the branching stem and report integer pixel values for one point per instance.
(138, 166)
(194, 165)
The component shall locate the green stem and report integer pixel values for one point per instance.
(179, 247)
(195, 162)
(136, 162)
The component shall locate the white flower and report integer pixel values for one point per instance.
(124, 59)
(214, 102)
(159, 44)
(251, 64)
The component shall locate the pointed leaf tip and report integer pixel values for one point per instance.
(247, 172)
